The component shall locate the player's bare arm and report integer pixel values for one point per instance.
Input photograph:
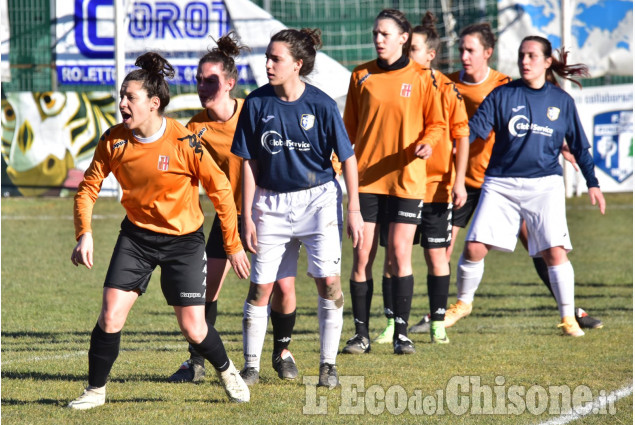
(83, 251)
(354, 221)
(250, 170)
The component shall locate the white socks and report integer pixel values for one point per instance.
(255, 320)
(468, 276)
(562, 282)
(330, 318)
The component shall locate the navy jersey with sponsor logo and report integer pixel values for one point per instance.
(292, 141)
(530, 126)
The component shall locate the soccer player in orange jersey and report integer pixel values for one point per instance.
(394, 117)
(159, 165)
(445, 187)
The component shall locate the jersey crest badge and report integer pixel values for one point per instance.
(406, 89)
(553, 113)
(164, 162)
(307, 121)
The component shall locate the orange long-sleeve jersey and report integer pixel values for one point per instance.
(387, 114)
(440, 166)
(480, 149)
(160, 183)
(217, 138)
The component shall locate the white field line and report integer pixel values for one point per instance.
(598, 405)
(208, 214)
(70, 217)
(168, 347)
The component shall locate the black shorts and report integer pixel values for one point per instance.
(435, 230)
(389, 209)
(181, 258)
(462, 216)
(215, 247)
(399, 210)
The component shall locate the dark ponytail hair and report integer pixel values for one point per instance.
(303, 45)
(484, 32)
(154, 70)
(402, 22)
(429, 30)
(558, 65)
(227, 48)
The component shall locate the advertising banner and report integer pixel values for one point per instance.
(181, 30)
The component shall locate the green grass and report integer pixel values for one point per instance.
(49, 308)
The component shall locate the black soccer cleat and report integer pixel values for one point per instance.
(285, 366)
(357, 345)
(328, 376)
(587, 322)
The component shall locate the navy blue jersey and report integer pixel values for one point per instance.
(530, 126)
(292, 141)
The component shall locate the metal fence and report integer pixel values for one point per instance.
(346, 26)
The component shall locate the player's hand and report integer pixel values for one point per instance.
(250, 240)
(240, 264)
(355, 227)
(83, 251)
(459, 196)
(596, 196)
(423, 151)
(568, 156)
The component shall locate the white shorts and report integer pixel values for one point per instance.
(285, 220)
(506, 201)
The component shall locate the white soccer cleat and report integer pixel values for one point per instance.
(92, 397)
(233, 383)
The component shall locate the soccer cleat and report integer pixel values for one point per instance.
(91, 397)
(570, 327)
(284, 364)
(188, 372)
(328, 376)
(357, 345)
(403, 345)
(386, 336)
(234, 385)
(422, 327)
(457, 311)
(587, 322)
(250, 375)
(437, 333)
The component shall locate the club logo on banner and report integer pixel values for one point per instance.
(613, 143)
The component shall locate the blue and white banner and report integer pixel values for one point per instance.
(602, 32)
(607, 117)
(178, 29)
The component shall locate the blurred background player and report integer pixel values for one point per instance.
(159, 165)
(287, 132)
(530, 117)
(475, 81)
(215, 125)
(445, 187)
(394, 118)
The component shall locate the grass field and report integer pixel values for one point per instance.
(509, 347)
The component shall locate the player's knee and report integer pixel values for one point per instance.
(194, 332)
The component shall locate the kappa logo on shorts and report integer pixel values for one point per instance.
(307, 121)
(553, 113)
(164, 162)
(406, 89)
